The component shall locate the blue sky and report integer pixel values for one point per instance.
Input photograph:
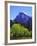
(14, 11)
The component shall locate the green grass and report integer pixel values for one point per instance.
(17, 31)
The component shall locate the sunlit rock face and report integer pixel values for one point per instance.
(24, 19)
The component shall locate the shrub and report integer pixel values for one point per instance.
(18, 30)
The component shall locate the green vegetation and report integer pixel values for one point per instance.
(18, 31)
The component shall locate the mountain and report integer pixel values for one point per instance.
(24, 19)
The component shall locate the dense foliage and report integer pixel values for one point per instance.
(18, 31)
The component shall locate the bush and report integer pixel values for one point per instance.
(18, 30)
